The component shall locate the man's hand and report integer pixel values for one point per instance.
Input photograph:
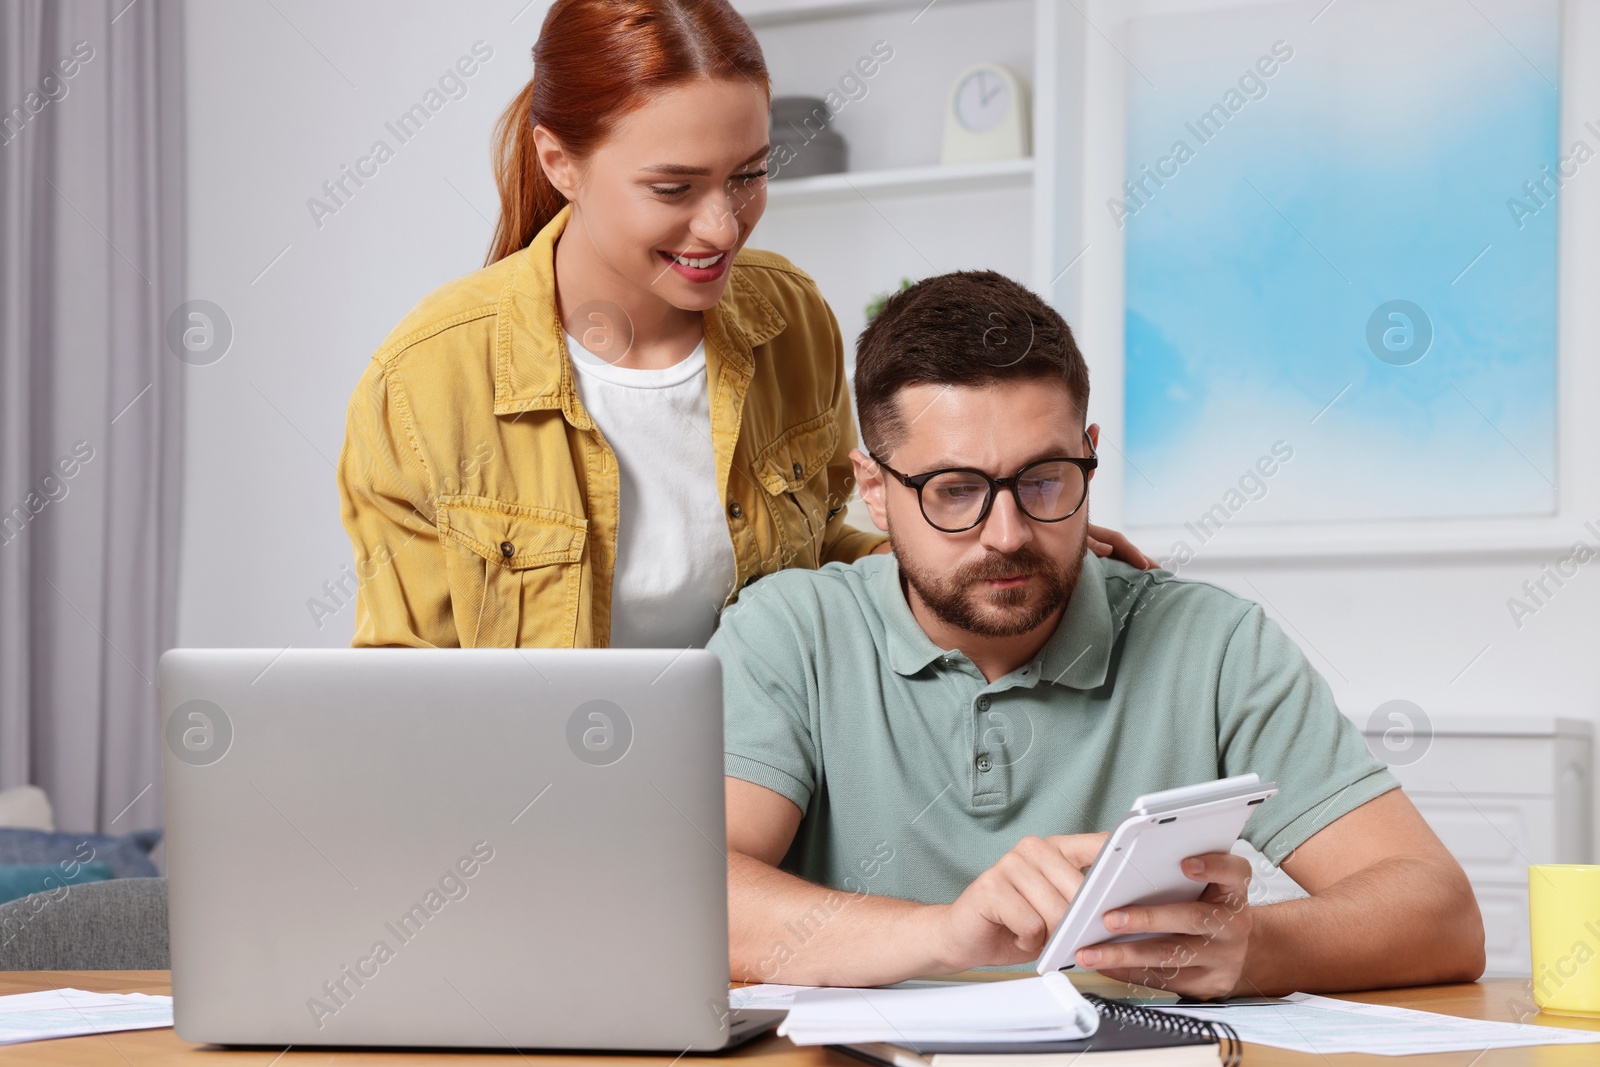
(1008, 912)
(1205, 955)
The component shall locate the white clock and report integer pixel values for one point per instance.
(987, 116)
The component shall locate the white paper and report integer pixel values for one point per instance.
(773, 997)
(1044, 1008)
(1305, 1023)
(767, 996)
(77, 1012)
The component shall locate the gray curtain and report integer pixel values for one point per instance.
(91, 243)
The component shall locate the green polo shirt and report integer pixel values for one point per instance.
(914, 774)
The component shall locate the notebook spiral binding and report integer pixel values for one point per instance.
(1220, 1032)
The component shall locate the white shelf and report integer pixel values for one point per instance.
(1361, 544)
(1506, 725)
(761, 13)
(939, 178)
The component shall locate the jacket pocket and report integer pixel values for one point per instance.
(793, 470)
(514, 571)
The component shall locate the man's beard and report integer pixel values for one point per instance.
(959, 599)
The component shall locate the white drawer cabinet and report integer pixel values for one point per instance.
(1505, 927)
(1503, 792)
(1491, 835)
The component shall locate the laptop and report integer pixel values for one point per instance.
(495, 848)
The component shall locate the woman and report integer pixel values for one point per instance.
(626, 416)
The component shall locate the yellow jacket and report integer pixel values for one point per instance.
(481, 499)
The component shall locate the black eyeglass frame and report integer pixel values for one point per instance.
(1086, 464)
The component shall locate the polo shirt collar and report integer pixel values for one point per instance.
(1077, 655)
(910, 649)
(531, 368)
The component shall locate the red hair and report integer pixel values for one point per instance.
(595, 61)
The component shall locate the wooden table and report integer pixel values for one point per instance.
(1502, 999)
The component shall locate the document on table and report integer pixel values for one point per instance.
(76, 1012)
(773, 997)
(1306, 1023)
(1043, 1008)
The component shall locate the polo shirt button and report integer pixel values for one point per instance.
(984, 764)
(735, 510)
(983, 703)
(507, 548)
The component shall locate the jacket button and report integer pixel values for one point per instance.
(506, 548)
(798, 470)
(735, 510)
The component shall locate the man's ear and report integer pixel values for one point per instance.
(1094, 439)
(869, 483)
(560, 168)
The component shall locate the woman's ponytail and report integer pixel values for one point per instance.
(527, 199)
(595, 61)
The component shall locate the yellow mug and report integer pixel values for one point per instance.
(1564, 928)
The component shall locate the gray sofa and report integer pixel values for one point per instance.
(116, 925)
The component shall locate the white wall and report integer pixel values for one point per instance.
(273, 116)
(278, 103)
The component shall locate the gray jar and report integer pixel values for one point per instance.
(804, 142)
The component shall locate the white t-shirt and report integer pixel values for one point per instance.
(674, 566)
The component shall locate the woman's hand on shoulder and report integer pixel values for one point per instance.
(1104, 541)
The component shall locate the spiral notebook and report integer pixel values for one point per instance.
(1128, 1035)
(1043, 1019)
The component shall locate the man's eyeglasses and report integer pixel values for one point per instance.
(958, 498)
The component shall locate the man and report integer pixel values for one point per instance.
(922, 749)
